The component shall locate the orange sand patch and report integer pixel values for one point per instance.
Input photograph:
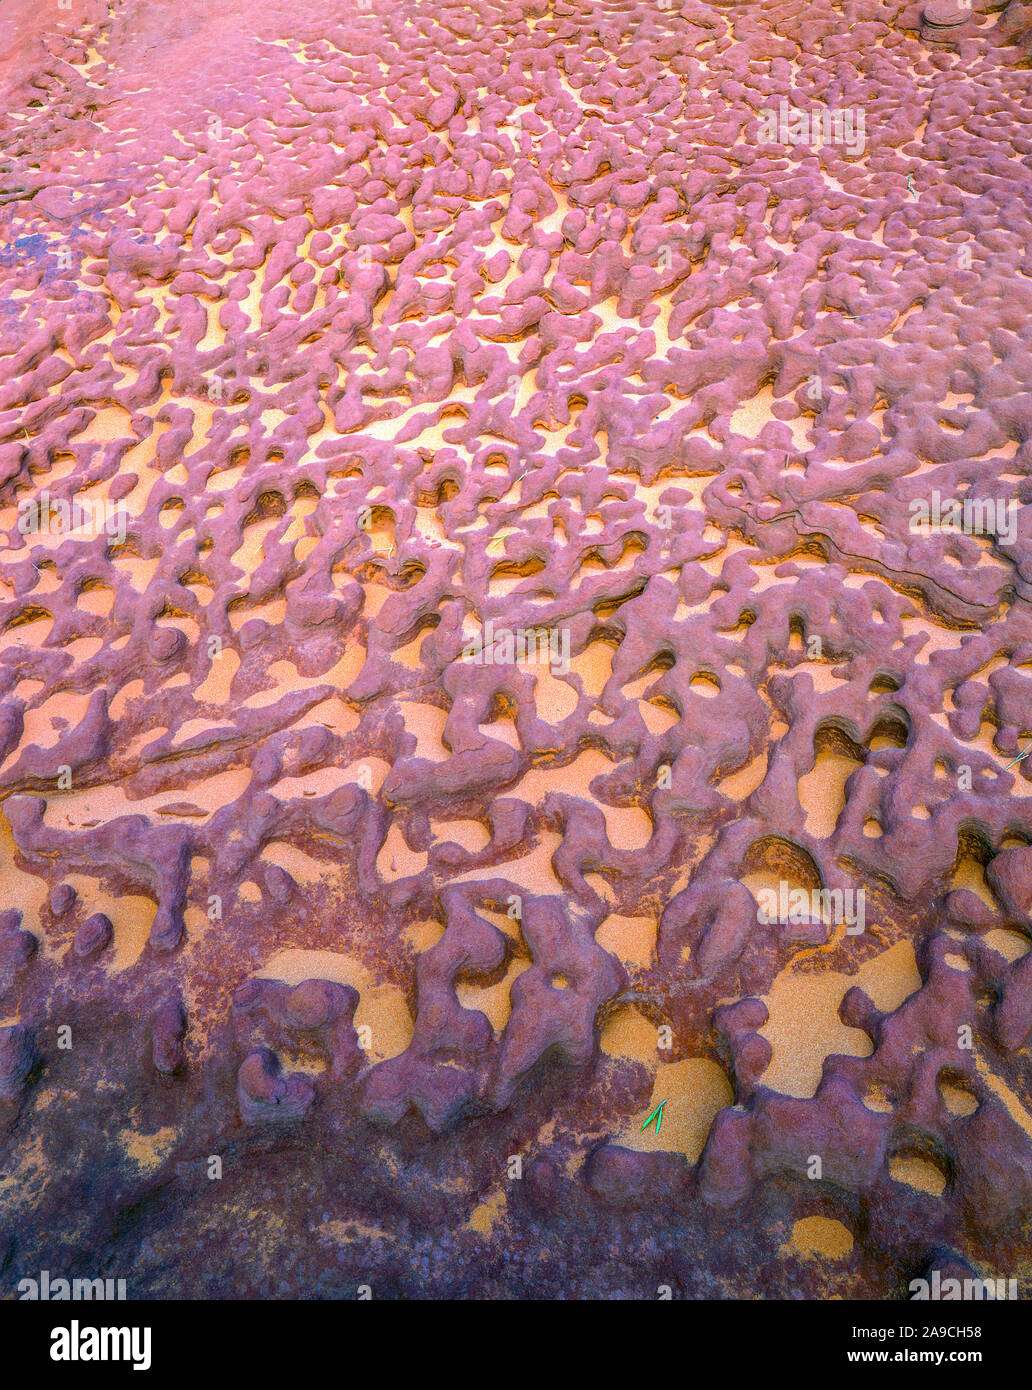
(695, 1091)
(804, 1027)
(131, 918)
(819, 1238)
(631, 939)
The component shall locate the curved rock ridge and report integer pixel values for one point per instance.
(514, 608)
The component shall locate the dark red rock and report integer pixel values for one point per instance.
(17, 1059)
(93, 936)
(535, 274)
(17, 947)
(168, 1033)
(946, 13)
(62, 898)
(626, 1179)
(266, 1095)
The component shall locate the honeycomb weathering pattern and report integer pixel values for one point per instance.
(380, 324)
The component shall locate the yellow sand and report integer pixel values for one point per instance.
(695, 1091)
(804, 1027)
(820, 1238)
